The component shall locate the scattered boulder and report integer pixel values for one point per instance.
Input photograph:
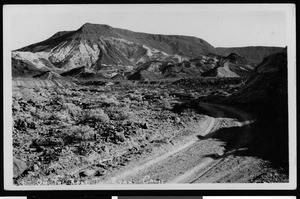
(177, 120)
(19, 166)
(15, 106)
(86, 173)
(100, 172)
(36, 167)
(143, 125)
(105, 149)
(31, 125)
(221, 151)
(20, 124)
(200, 137)
(120, 136)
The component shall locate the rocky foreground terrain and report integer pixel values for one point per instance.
(106, 105)
(144, 132)
(75, 134)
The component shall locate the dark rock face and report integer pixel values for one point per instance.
(268, 85)
(254, 54)
(266, 94)
(203, 66)
(23, 68)
(48, 75)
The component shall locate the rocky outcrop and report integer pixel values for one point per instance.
(98, 46)
(19, 166)
(268, 85)
(254, 54)
(48, 75)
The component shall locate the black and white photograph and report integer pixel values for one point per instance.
(149, 96)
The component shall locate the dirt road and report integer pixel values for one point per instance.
(210, 156)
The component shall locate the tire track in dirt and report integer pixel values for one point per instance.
(136, 174)
(189, 176)
(160, 158)
(208, 163)
(192, 160)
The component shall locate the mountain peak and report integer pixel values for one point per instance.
(93, 28)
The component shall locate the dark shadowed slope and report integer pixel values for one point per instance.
(266, 94)
(231, 66)
(48, 75)
(268, 85)
(82, 73)
(255, 54)
(203, 66)
(23, 68)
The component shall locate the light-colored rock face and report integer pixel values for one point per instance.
(154, 67)
(137, 53)
(81, 54)
(117, 40)
(33, 58)
(19, 166)
(59, 53)
(225, 71)
(152, 51)
(70, 54)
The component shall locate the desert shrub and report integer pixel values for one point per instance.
(75, 93)
(19, 124)
(67, 91)
(78, 134)
(145, 103)
(42, 115)
(61, 116)
(72, 109)
(165, 94)
(49, 155)
(47, 141)
(23, 120)
(58, 99)
(16, 106)
(120, 136)
(16, 95)
(109, 100)
(126, 100)
(82, 149)
(135, 97)
(95, 115)
(121, 114)
(166, 104)
(53, 167)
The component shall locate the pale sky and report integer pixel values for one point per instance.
(220, 25)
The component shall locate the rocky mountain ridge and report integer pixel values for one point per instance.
(102, 48)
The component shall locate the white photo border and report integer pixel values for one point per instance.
(8, 10)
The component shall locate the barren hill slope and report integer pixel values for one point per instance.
(266, 94)
(254, 54)
(100, 47)
(95, 45)
(268, 85)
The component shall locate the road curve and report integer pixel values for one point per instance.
(208, 163)
(188, 162)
